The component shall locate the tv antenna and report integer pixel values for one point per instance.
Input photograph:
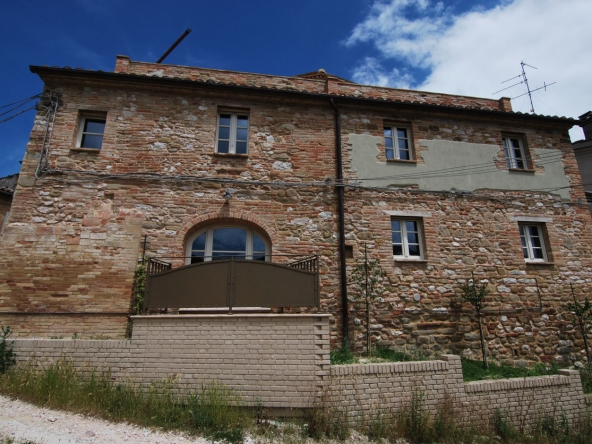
(525, 81)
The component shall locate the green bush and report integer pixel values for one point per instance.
(7, 357)
(343, 355)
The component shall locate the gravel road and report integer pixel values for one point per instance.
(26, 422)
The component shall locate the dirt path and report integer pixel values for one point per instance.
(25, 422)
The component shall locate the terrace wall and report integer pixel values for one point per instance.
(282, 361)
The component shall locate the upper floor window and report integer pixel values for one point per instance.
(397, 143)
(91, 131)
(219, 243)
(533, 243)
(406, 238)
(233, 133)
(515, 154)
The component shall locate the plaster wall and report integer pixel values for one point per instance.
(449, 165)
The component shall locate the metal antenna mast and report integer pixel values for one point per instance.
(525, 81)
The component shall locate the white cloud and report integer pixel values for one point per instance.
(473, 53)
(371, 72)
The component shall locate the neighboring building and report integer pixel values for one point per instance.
(201, 162)
(7, 185)
(583, 152)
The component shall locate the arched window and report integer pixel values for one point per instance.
(220, 242)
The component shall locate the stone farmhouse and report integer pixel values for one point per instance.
(187, 164)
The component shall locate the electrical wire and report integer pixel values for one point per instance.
(19, 101)
(17, 114)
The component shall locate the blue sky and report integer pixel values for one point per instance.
(452, 46)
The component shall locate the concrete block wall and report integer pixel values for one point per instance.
(275, 359)
(363, 390)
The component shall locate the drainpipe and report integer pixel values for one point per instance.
(340, 208)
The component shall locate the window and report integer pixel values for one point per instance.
(397, 143)
(533, 244)
(514, 151)
(233, 133)
(218, 243)
(90, 133)
(406, 238)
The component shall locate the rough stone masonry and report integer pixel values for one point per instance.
(80, 215)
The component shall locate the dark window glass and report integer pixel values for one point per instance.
(241, 147)
(229, 239)
(223, 146)
(94, 126)
(91, 141)
(199, 243)
(225, 119)
(241, 134)
(397, 250)
(258, 244)
(224, 133)
(413, 250)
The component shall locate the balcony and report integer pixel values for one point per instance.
(228, 283)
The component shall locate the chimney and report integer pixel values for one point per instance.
(586, 124)
(505, 104)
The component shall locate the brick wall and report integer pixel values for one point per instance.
(74, 237)
(282, 361)
(363, 390)
(276, 359)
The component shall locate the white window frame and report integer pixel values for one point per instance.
(395, 142)
(405, 241)
(89, 116)
(527, 242)
(510, 153)
(210, 241)
(233, 130)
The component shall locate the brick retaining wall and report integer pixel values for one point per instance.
(275, 359)
(282, 360)
(363, 390)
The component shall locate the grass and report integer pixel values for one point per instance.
(474, 371)
(213, 411)
(344, 355)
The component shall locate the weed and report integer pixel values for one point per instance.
(343, 355)
(139, 287)
(502, 426)
(586, 377)
(325, 419)
(416, 419)
(474, 371)
(7, 356)
(213, 410)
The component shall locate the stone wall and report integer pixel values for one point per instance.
(275, 359)
(75, 235)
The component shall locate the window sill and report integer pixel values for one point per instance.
(407, 259)
(238, 156)
(522, 170)
(86, 150)
(401, 161)
(539, 263)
